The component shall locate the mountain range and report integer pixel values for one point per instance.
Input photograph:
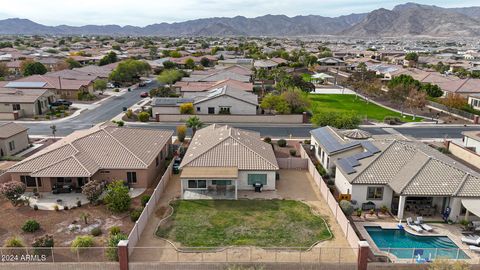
(408, 19)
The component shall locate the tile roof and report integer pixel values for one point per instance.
(102, 147)
(9, 95)
(10, 129)
(225, 146)
(226, 90)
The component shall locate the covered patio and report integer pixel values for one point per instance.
(209, 183)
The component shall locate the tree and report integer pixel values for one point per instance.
(72, 63)
(169, 65)
(205, 62)
(110, 58)
(12, 191)
(189, 63)
(54, 130)
(269, 101)
(153, 52)
(61, 65)
(416, 100)
(454, 101)
(194, 123)
(92, 190)
(432, 90)
(398, 95)
(34, 68)
(170, 76)
(4, 70)
(186, 108)
(143, 116)
(129, 71)
(296, 100)
(412, 56)
(100, 85)
(117, 198)
(181, 133)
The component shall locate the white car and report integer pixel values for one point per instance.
(110, 85)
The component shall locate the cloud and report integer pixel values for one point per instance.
(143, 12)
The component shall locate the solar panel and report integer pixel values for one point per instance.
(25, 84)
(347, 168)
(370, 147)
(329, 141)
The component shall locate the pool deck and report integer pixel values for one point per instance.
(439, 229)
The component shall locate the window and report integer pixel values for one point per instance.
(156, 161)
(198, 109)
(16, 107)
(30, 181)
(222, 182)
(375, 193)
(132, 177)
(211, 110)
(11, 145)
(224, 110)
(257, 178)
(197, 184)
(104, 171)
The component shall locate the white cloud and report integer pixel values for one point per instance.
(143, 12)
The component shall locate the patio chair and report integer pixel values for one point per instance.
(412, 226)
(471, 240)
(474, 248)
(420, 222)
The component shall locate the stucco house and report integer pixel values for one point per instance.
(226, 100)
(18, 103)
(13, 139)
(222, 160)
(103, 152)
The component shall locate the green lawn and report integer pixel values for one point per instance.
(263, 223)
(349, 103)
(307, 77)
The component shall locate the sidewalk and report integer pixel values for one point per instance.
(135, 106)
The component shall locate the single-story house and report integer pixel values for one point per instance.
(474, 101)
(13, 139)
(265, 64)
(245, 62)
(168, 105)
(409, 178)
(221, 160)
(471, 140)
(18, 103)
(194, 89)
(103, 152)
(331, 62)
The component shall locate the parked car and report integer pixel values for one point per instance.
(61, 102)
(144, 94)
(176, 165)
(142, 84)
(110, 85)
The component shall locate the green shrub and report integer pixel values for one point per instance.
(117, 198)
(145, 199)
(392, 120)
(112, 251)
(135, 214)
(346, 207)
(293, 152)
(13, 241)
(43, 244)
(96, 231)
(336, 119)
(31, 226)
(282, 143)
(267, 140)
(129, 113)
(321, 170)
(116, 90)
(143, 116)
(82, 241)
(115, 230)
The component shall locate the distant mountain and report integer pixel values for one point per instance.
(408, 19)
(416, 20)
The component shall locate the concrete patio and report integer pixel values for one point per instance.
(48, 200)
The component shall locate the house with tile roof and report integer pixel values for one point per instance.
(409, 178)
(104, 152)
(13, 139)
(226, 100)
(18, 103)
(193, 89)
(221, 160)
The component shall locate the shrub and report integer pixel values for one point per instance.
(116, 90)
(293, 152)
(181, 133)
(129, 113)
(120, 123)
(43, 244)
(321, 170)
(186, 108)
(13, 241)
(31, 226)
(92, 190)
(114, 230)
(56, 208)
(346, 207)
(135, 214)
(117, 198)
(282, 143)
(82, 241)
(145, 199)
(392, 120)
(384, 209)
(47, 117)
(267, 140)
(35, 207)
(143, 116)
(336, 119)
(79, 203)
(65, 208)
(112, 250)
(96, 231)
(12, 191)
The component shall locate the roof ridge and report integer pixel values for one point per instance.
(257, 154)
(42, 154)
(122, 145)
(460, 187)
(80, 163)
(51, 164)
(373, 161)
(206, 150)
(429, 158)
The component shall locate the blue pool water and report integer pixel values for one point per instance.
(406, 246)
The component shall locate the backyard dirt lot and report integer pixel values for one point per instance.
(293, 185)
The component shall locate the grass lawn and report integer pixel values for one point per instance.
(348, 103)
(218, 223)
(307, 77)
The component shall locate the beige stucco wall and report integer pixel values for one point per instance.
(220, 118)
(166, 110)
(465, 154)
(28, 109)
(21, 143)
(236, 106)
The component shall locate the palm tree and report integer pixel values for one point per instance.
(194, 123)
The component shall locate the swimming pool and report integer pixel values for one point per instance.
(407, 246)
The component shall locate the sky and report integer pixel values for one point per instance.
(144, 12)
